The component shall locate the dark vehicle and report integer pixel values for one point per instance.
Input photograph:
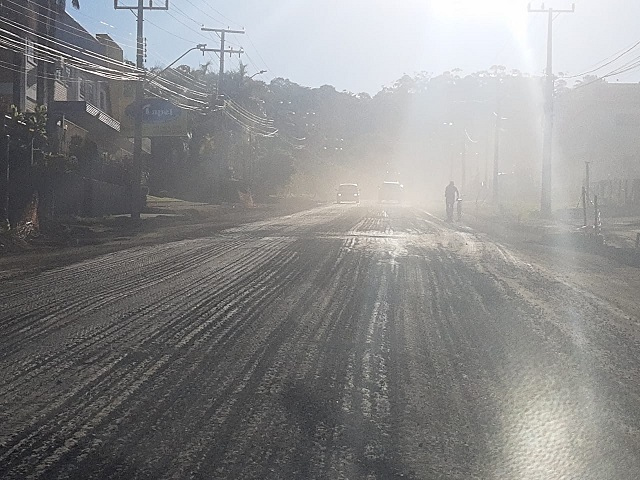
(348, 192)
(391, 192)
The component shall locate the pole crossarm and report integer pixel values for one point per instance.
(222, 51)
(554, 10)
(226, 50)
(221, 30)
(163, 6)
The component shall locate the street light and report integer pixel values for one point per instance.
(201, 46)
(257, 73)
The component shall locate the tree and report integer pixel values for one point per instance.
(275, 171)
(588, 80)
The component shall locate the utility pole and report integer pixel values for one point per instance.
(4, 177)
(222, 51)
(587, 181)
(464, 157)
(496, 151)
(220, 94)
(136, 204)
(547, 148)
(486, 159)
(463, 164)
(496, 159)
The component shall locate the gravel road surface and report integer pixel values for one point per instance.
(342, 342)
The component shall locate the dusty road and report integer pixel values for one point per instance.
(344, 342)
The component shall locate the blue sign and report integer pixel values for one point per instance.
(155, 110)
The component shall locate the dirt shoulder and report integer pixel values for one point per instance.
(564, 231)
(75, 239)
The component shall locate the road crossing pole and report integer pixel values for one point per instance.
(547, 148)
(135, 192)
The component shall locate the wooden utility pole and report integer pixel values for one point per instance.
(222, 51)
(547, 149)
(136, 204)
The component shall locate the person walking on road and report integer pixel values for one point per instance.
(451, 195)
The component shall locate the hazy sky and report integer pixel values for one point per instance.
(362, 45)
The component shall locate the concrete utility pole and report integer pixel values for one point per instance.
(587, 181)
(496, 150)
(545, 199)
(222, 51)
(220, 100)
(496, 159)
(4, 177)
(136, 204)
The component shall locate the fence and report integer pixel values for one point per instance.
(72, 194)
(617, 192)
(64, 194)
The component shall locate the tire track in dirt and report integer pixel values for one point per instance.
(500, 331)
(152, 339)
(128, 266)
(253, 369)
(359, 343)
(261, 293)
(92, 292)
(122, 324)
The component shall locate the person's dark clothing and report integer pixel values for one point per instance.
(451, 194)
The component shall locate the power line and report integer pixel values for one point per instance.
(173, 101)
(100, 70)
(183, 89)
(186, 77)
(218, 12)
(188, 17)
(249, 113)
(203, 11)
(184, 24)
(170, 32)
(606, 64)
(258, 53)
(66, 45)
(83, 34)
(250, 127)
(249, 119)
(63, 44)
(71, 61)
(70, 29)
(177, 94)
(255, 66)
(629, 66)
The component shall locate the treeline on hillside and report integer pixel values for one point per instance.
(423, 130)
